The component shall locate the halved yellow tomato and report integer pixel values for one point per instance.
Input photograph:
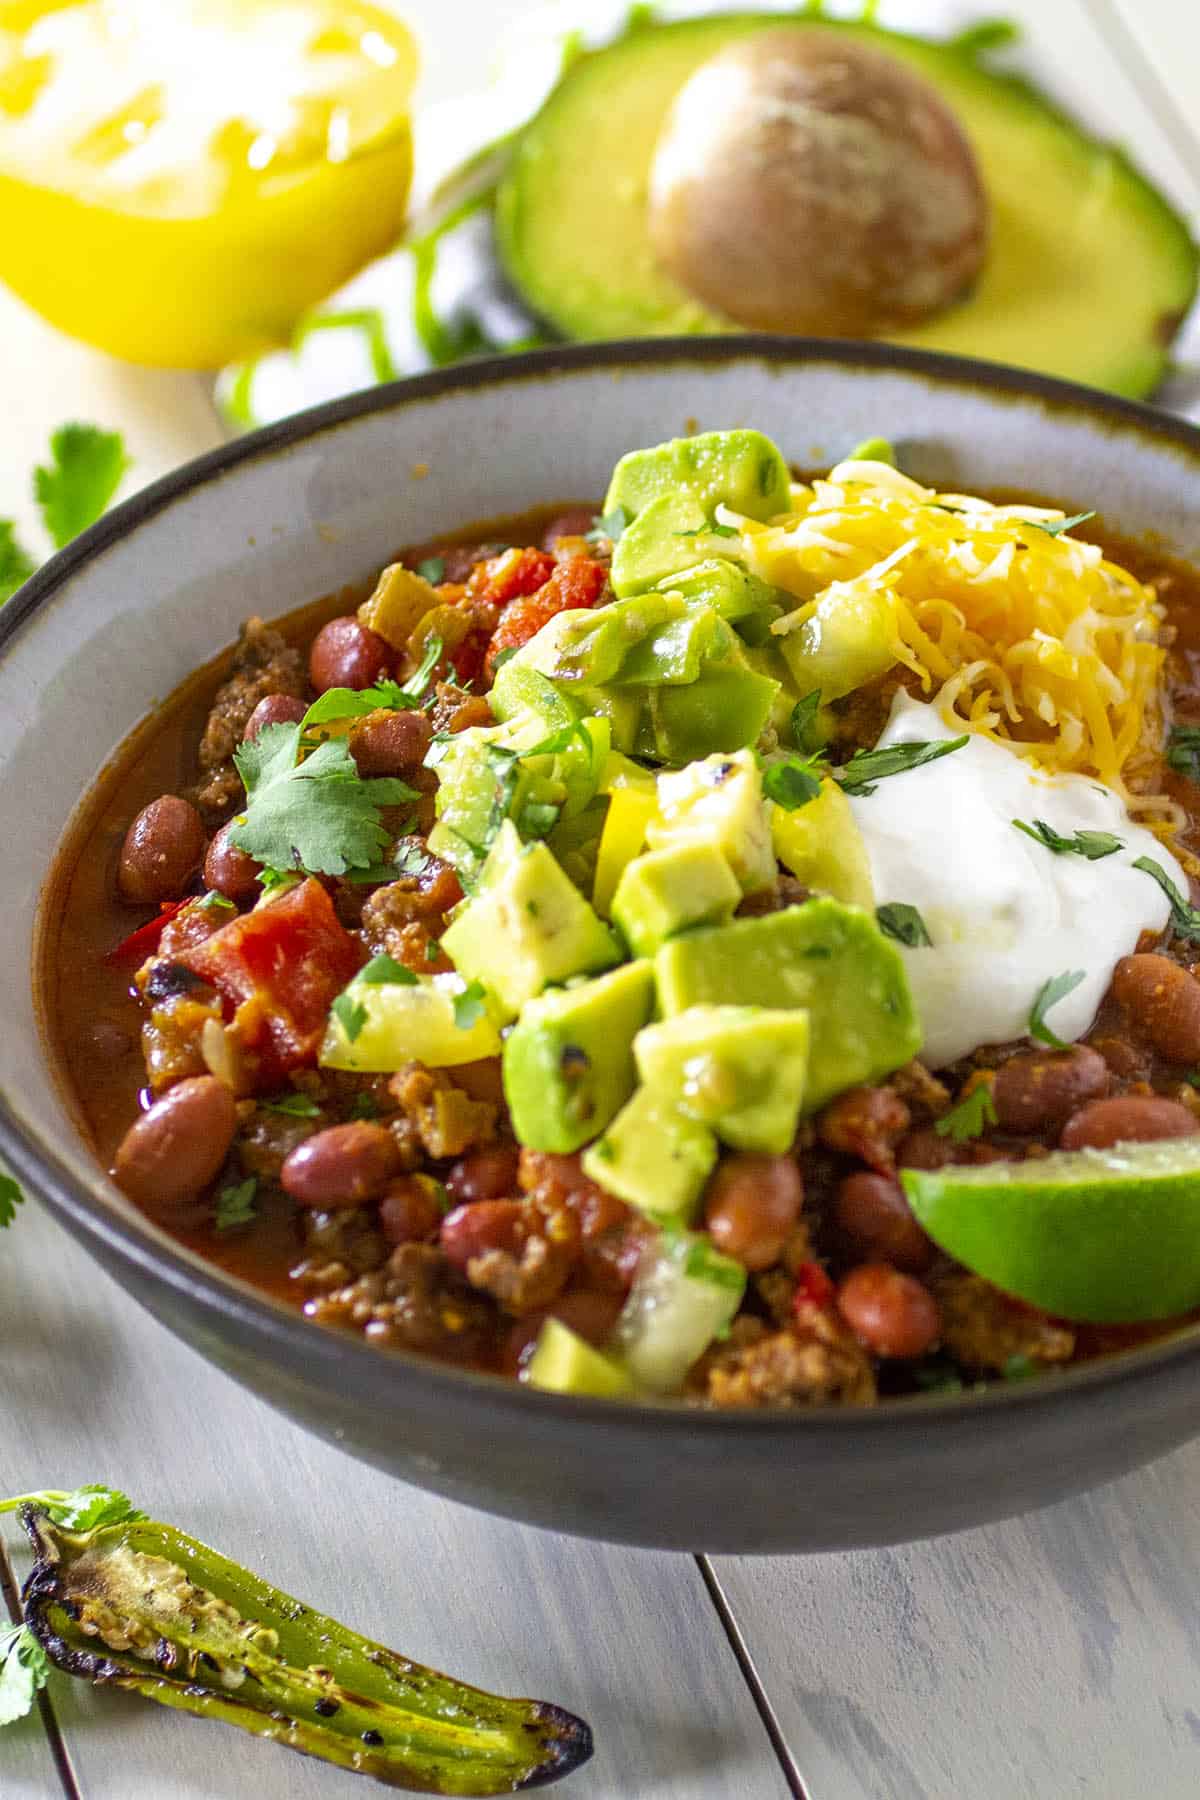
(181, 179)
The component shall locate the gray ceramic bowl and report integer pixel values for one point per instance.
(109, 627)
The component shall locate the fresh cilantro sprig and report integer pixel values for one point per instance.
(11, 1196)
(432, 569)
(607, 527)
(16, 564)
(235, 1206)
(1048, 995)
(1092, 844)
(317, 815)
(23, 1670)
(1185, 918)
(385, 971)
(867, 767)
(898, 920)
(388, 696)
(293, 1106)
(710, 528)
(805, 733)
(470, 1005)
(1056, 527)
(350, 1014)
(85, 470)
(703, 1263)
(792, 782)
(1183, 751)
(970, 1118)
(79, 1509)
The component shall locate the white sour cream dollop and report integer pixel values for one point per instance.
(1004, 913)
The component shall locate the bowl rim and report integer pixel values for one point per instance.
(292, 1338)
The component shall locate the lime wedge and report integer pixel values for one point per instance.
(1108, 1236)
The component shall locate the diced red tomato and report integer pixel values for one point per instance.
(144, 941)
(511, 574)
(575, 584)
(279, 969)
(813, 1287)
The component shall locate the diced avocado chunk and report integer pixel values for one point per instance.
(665, 891)
(727, 708)
(568, 1061)
(402, 1024)
(654, 1157)
(829, 959)
(741, 469)
(563, 1363)
(739, 1069)
(733, 592)
(668, 535)
(718, 800)
(527, 927)
(874, 449)
(844, 640)
(676, 652)
(683, 1294)
(822, 846)
(520, 689)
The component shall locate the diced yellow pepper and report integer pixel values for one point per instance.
(400, 601)
(630, 811)
(822, 846)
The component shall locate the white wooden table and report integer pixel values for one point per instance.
(1052, 1656)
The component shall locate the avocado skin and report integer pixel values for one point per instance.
(1101, 307)
(568, 1063)
(829, 959)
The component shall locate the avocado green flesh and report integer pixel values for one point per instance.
(1106, 1236)
(1088, 272)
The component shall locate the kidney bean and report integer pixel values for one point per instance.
(273, 709)
(893, 1314)
(865, 1122)
(177, 1147)
(479, 1226)
(390, 743)
(1127, 1119)
(873, 1213)
(588, 1312)
(574, 522)
(751, 1204)
(1163, 1003)
(925, 1149)
(409, 1210)
(1037, 1089)
(342, 1166)
(162, 851)
(346, 654)
(485, 1174)
(229, 870)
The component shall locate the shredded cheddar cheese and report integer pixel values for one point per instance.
(1032, 638)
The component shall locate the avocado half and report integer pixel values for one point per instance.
(1089, 269)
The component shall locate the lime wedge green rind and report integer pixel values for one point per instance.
(1104, 1236)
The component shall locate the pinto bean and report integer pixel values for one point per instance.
(390, 743)
(342, 1166)
(176, 1148)
(162, 851)
(346, 654)
(1163, 1003)
(485, 1174)
(866, 1122)
(751, 1204)
(273, 709)
(893, 1314)
(229, 870)
(873, 1213)
(1037, 1089)
(409, 1210)
(1127, 1119)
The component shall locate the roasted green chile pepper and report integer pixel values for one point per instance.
(138, 1605)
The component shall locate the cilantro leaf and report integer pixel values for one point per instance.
(710, 528)
(1092, 844)
(350, 1014)
(866, 767)
(1055, 528)
(1048, 995)
(703, 1263)
(432, 569)
(235, 1205)
(1185, 918)
(85, 470)
(805, 734)
(317, 815)
(385, 971)
(1183, 748)
(970, 1117)
(791, 783)
(16, 564)
(23, 1670)
(215, 902)
(503, 656)
(293, 1106)
(79, 1509)
(904, 923)
(11, 1196)
(608, 526)
(469, 1005)
(363, 1106)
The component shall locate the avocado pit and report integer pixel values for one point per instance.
(804, 183)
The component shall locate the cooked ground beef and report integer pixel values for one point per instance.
(983, 1329)
(263, 663)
